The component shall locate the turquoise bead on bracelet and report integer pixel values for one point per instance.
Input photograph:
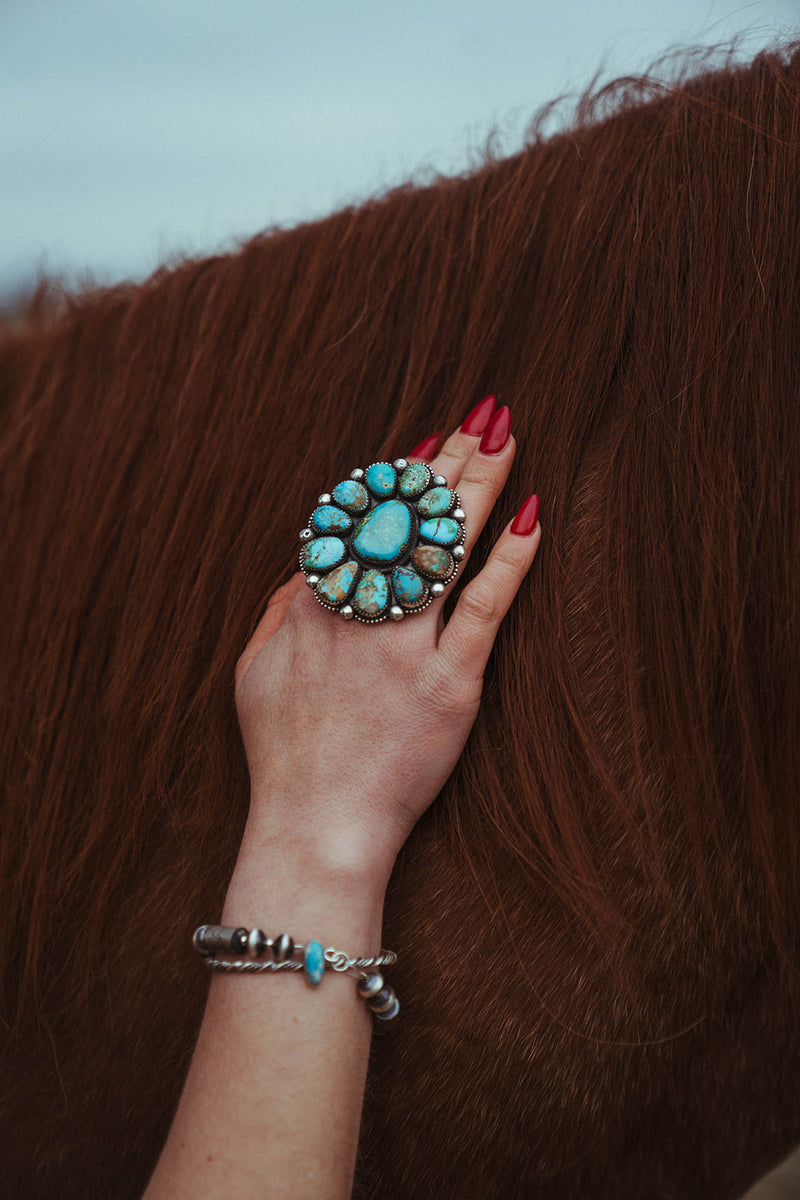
(383, 543)
(313, 963)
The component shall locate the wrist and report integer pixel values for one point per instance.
(330, 892)
(337, 840)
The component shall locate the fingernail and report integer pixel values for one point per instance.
(427, 449)
(497, 432)
(524, 522)
(478, 419)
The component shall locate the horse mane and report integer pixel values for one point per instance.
(597, 920)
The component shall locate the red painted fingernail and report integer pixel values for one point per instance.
(478, 419)
(524, 522)
(497, 431)
(427, 449)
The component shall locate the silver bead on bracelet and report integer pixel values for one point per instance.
(313, 961)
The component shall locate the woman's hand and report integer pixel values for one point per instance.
(351, 730)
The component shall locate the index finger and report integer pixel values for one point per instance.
(468, 637)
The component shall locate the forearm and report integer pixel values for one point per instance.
(272, 1102)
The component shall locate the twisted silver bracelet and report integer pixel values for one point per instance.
(212, 940)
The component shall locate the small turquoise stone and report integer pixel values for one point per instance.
(352, 495)
(313, 963)
(414, 480)
(328, 519)
(323, 553)
(372, 594)
(383, 535)
(442, 530)
(409, 590)
(436, 503)
(433, 562)
(381, 479)
(338, 584)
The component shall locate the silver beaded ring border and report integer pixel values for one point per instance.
(354, 515)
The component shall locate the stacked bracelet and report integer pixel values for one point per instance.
(288, 955)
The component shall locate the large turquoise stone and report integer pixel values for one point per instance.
(442, 530)
(329, 519)
(436, 503)
(414, 480)
(372, 594)
(409, 590)
(338, 584)
(381, 479)
(323, 553)
(383, 535)
(313, 963)
(352, 495)
(433, 562)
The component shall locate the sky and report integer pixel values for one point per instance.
(133, 131)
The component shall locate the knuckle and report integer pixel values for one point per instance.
(481, 601)
(481, 472)
(443, 692)
(452, 456)
(504, 560)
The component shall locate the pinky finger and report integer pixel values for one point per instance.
(270, 623)
(467, 640)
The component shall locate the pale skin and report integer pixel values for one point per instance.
(272, 1102)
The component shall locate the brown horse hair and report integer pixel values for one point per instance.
(598, 919)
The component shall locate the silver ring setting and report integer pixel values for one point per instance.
(384, 543)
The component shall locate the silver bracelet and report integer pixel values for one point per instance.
(213, 940)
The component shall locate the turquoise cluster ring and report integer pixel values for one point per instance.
(383, 543)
